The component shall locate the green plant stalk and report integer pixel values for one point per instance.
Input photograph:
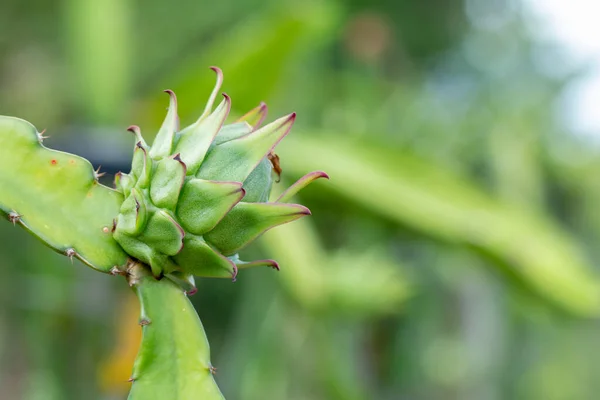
(174, 357)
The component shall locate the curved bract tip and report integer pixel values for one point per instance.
(215, 91)
(256, 116)
(300, 184)
(259, 263)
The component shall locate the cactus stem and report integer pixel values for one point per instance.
(145, 322)
(14, 217)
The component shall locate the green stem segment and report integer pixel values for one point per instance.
(174, 358)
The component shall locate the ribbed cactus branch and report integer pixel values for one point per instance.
(57, 197)
(174, 357)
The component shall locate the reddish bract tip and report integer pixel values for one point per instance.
(256, 116)
(134, 129)
(300, 184)
(217, 70)
(299, 210)
(321, 174)
(173, 99)
(192, 292)
(269, 263)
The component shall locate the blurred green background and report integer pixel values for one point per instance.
(453, 254)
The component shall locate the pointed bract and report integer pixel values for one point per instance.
(246, 221)
(133, 215)
(185, 280)
(201, 259)
(195, 140)
(138, 135)
(259, 183)
(235, 159)
(232, 131)
(141, 166)
(203, 203)
(166, 182)
(214, 93)
(161, 147)
(258, 263)
(124, 183)
(300, 184)
(163, 234)
(255, 117)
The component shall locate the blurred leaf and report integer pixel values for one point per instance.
(99, 45)
(414, 193)
(349, 284)
(253, 57)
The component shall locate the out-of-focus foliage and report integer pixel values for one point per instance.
(453, 254)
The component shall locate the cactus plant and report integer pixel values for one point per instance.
(191, 201)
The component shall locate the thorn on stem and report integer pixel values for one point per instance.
(114, 271)
(212, 369)
(70, 252)
(145, 322)
(98, 174)
(41, 136)
(131, 380)
(14, 217)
